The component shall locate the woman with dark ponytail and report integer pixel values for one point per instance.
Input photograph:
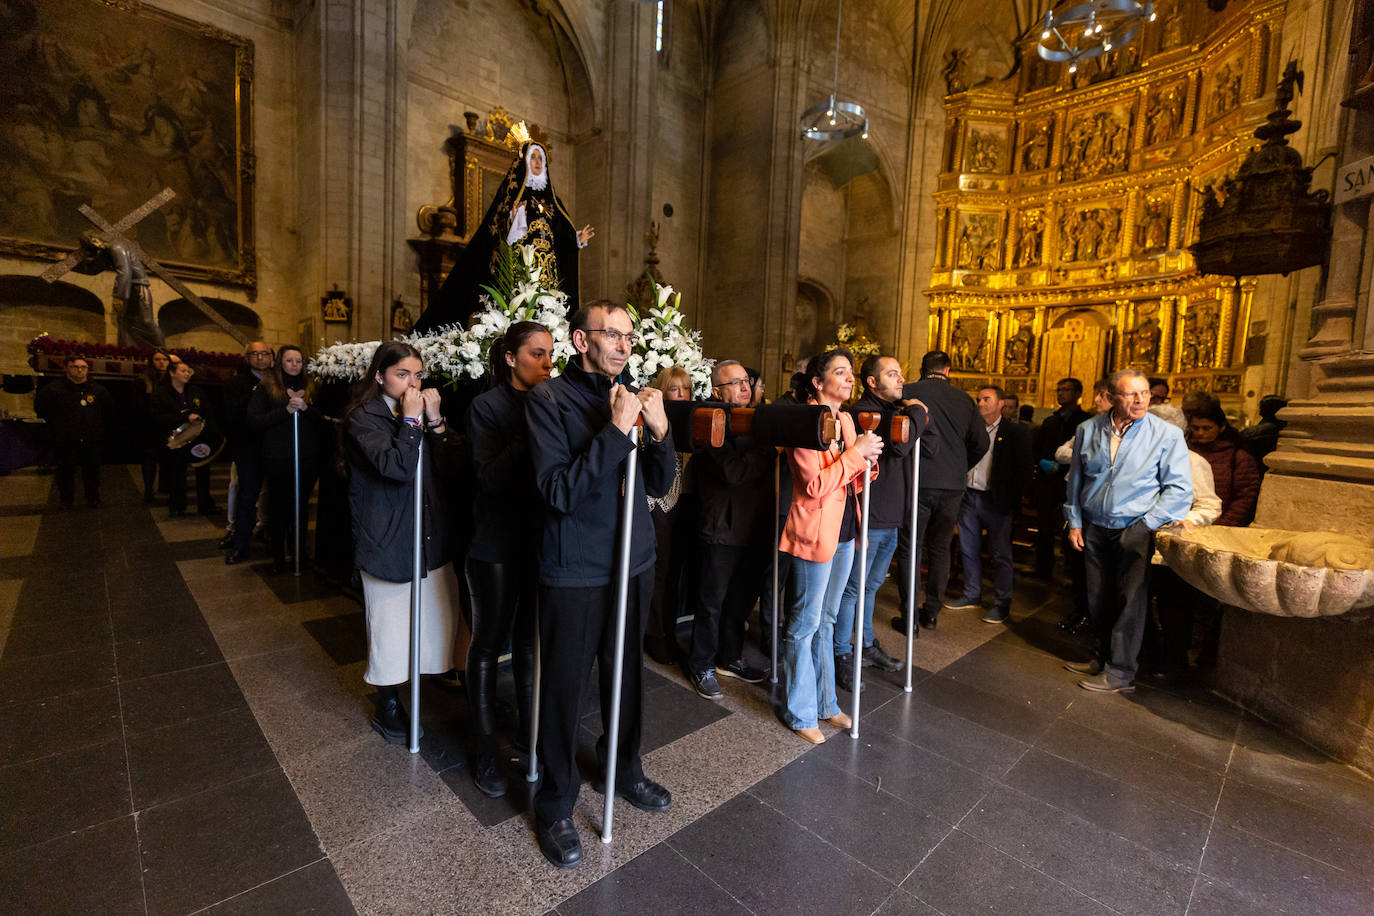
(507, 513)
(382, 430)
(150, 381)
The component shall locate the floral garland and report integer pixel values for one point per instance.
(518, 293)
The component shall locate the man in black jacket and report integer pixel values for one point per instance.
(580, 424)
(734, 491)
(993, 498)
(246, 472)
(75, 410)
(889, 511)
(1049, 478)
(954, 441)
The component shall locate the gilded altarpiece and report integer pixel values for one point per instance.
(1068, 201)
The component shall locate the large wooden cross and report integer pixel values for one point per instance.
(115, 233)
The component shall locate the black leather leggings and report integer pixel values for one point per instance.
(503, 597)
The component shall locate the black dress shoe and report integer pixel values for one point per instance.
(899, 624)
(927, 621)
(560, 843)
(487, 776)
(647, 795)
(238, 556)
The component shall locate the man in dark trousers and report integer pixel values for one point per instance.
(990, 503)
(734, 489)
(954, 441)
(1049, 475)
(76, 411)
(889, 508)
(580, 424)
(246, 446)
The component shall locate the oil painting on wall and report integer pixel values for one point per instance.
(108, 106)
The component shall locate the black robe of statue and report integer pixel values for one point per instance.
(551, 232)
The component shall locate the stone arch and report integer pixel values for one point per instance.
(30, 307)
(184, 325)
(814, 315)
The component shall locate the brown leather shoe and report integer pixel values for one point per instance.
(840, 720)
(811, 734)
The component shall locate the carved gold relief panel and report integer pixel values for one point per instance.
(1090, 233)
(969, 343)
(1166, 108)
(1036, 145)
(1097, 143)
(1030, 239)
(1020, 347)
(1222, 90)
(985, 148)
(1154, 223)
(979, 242)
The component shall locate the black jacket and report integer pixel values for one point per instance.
(578, 456)
(890, 503)
(507, 511)
(74, 413)
(244, 443)
(1056, 430)
(1011, 466)
(270, 423)
(170, 409)
(381, 453)
(734, 487)
(955, 438)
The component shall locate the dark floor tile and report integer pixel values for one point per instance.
(45, 798)
(1182, 783)
(65, 635)
(30, 729)
(660, 881)
(311, 891)
(489, 812)
(1213, 898)
(961, 740)
(1000, 714)
(196, 755)
(144, 621)
(1272, 879)
(1174, 832)
(963, 875)
(1040, 632)
(671, 710)
(1196, 733)
(343, 637)
(1084, 856)
(771, 865)
(931, 783)
(165, 699)
(1296, 771)
(902, 903)
(1025, 678)
(259, 833)
(95, 870)
(146, 657)
(875, 827)
(290, 589)
(56, 675)
(1331, 837)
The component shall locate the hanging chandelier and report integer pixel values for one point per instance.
(834, 119)
(1091, 29)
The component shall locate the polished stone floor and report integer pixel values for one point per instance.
(179, 736)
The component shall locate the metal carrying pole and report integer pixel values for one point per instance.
(416, 572)
(533, 775)
(777, 536)
(914, 549)
(861, 548)
(622, 600)
(296, 465)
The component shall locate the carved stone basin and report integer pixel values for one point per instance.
(1272, 571)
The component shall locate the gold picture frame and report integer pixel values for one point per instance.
(128, 99)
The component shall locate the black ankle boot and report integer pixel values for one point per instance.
(390, 720)
(488, 775)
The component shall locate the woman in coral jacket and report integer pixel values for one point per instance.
(824, 509)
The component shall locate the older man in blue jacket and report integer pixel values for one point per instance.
(1129, 477)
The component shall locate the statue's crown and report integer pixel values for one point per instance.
(517, 136)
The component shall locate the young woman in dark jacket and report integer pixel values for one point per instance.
(151, 437)
(507, 520)
(280, 396)
(1235, 472)
(383, 427)
(173, 404)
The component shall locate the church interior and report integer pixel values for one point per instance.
(1192, 202)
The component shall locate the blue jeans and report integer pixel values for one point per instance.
(881, 546)
(808, 667)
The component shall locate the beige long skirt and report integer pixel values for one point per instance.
(388, 626)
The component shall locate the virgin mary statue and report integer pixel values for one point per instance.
(525, 212)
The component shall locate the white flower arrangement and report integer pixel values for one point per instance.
(519, 294)
(663, 340)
